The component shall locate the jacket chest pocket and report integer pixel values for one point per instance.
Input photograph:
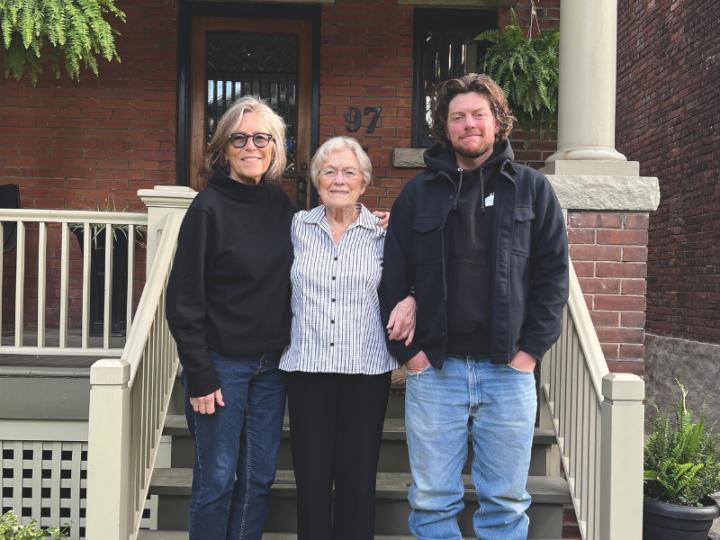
(522, 230)
(427, 240)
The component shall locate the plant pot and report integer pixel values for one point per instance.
(665, 521)
(97, 282)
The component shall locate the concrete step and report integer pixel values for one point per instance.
(549, 496)
(181, 535)
(393, 452)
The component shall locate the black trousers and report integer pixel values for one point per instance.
(336, 424)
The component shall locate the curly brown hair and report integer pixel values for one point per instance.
(472, 82)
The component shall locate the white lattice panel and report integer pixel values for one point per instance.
(46, 480)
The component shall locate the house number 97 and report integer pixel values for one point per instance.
(353, 118)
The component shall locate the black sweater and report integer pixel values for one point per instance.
(229, 289)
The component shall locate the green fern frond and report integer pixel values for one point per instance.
(528, 72)
(39, 32)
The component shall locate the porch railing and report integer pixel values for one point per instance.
(47, 233)
(129, 398)
(598, 420)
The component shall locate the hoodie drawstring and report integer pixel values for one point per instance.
(459, 189)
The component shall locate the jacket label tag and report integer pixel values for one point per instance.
(490, 200)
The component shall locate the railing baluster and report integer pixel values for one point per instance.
(64, 281)
(107, 293)
(20, 285)
(85, 324)
(41, 283)
(130, 276)
(2, 265)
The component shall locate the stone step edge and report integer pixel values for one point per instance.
(182, 535)
(390, 486)
(393, 429)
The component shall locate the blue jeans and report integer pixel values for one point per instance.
(497, 404)
(236, 449)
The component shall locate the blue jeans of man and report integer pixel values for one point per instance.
(236, 449)
(497, 405)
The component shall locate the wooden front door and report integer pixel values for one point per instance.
(270, 58)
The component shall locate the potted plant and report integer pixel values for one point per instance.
(120, 243)
(682, 470)
(10, 529)
(527, 68)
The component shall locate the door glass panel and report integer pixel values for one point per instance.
(265, 65)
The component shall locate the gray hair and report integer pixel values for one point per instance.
(337, 144)
(215, 152)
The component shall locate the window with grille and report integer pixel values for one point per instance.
(444, 47)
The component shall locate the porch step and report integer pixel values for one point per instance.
(549, 496)
(181, 535)
(393, 453)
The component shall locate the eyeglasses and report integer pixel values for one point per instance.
(350, 173)
(260, 140)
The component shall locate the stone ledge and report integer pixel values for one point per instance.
(609, 193)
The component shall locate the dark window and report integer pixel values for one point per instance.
(444, 47)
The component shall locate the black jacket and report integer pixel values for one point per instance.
(529, 259)
(229, 290)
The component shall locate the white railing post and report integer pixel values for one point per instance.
(161, 201)
(621, 476)
(108, 451)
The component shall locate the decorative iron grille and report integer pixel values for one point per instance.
(264, 65)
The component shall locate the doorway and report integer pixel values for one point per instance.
(271, 58)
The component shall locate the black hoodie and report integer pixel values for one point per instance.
(469, 230)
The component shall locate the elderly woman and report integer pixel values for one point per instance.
(228, 309)
(338, 367)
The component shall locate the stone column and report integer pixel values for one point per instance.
(586, 108)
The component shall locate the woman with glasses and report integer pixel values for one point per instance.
(338, 367)
(228, 309)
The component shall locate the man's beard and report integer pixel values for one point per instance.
(473, 154)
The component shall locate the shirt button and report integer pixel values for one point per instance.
(335, 259)
(333, 278)
(332, 322)
(332, 344)
(332, 300)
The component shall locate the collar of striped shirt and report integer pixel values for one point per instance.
(365, 219)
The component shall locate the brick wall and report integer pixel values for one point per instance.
(73, 145)
(668, 113)
(609, 254)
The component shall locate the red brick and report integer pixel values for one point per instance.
(637, 221)
(610, 350)
(622, 237)
(581, 236)
(609, 220)
(620, 335)
(608, 269)
(620, 303)
(626, 366)
(605, 318)
(597, 285)
(632, 350)
(634, 286)
(595, 253)
(632, 319)
(634, 253)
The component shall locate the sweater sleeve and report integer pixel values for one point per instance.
(397, 277)
(548, 291)
(186, 302)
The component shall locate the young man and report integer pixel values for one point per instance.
(480, 241)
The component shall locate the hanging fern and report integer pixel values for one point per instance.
(34, 33)
(527, 68)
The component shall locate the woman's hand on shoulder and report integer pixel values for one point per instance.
(206, 404)
(401, 324)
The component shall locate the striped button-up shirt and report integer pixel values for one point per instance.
(336, 326)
